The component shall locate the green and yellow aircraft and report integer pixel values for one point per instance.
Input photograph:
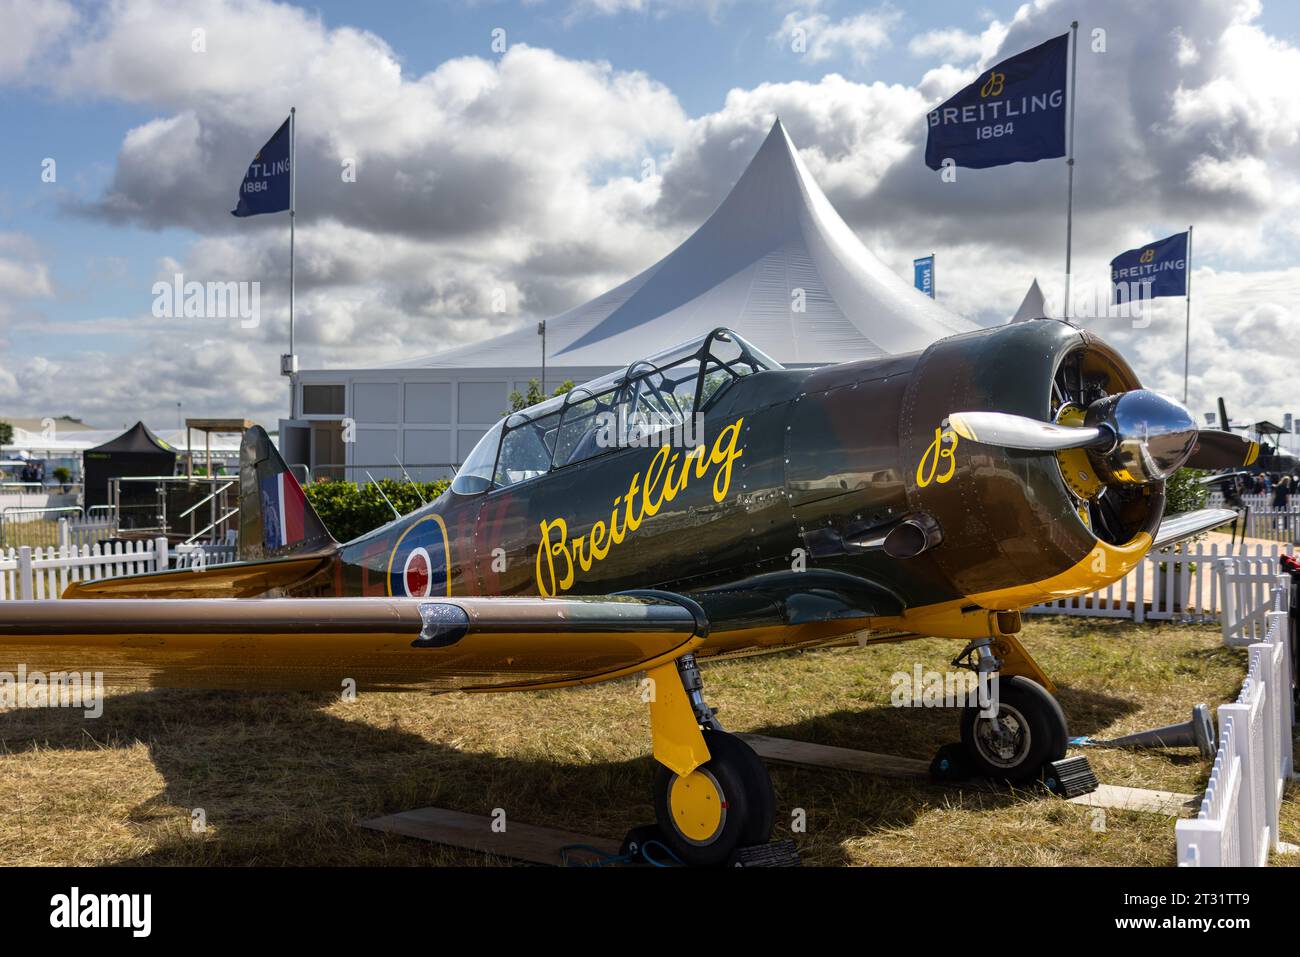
(699, 503)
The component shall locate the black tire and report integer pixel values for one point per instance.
(745, 787)
(1033, 719)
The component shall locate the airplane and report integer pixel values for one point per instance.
(701, 503)
(1272, 458)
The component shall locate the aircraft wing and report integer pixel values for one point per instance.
(390, 644)
(1175, 528)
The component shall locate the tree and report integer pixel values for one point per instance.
(1184, 493)
(6, 433)
(534, 395)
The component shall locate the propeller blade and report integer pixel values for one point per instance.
(1018, 432)
(1216, 449)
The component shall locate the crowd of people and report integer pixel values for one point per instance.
(1280, 486)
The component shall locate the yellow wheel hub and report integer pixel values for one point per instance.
(698, 807)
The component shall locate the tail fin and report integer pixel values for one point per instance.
(275, 518)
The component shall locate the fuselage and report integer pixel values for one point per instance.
(796, 471)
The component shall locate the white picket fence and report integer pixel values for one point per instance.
(1237, 824)
(204, 556)
(1176, 583)
(1263, 520)
(28, 573)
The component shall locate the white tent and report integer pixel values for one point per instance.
(774, 235)
(1033, 306)
(775, 262)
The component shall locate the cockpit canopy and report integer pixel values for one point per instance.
(630, 406)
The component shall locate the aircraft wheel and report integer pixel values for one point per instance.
(725, 804)
(1029, 731)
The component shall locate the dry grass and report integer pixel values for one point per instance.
(282, 779)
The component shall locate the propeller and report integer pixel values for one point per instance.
(1216, 449)
(1136, 437)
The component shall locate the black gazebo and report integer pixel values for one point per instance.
(136, 452)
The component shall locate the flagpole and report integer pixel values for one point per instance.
(293, 189)
(1069, 164)
(1187, 327)
(541, 331)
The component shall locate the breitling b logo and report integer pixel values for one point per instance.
(1147, 255)
(993, 85)
(944, 447)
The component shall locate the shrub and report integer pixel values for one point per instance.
(1183, 493)
(350, 510)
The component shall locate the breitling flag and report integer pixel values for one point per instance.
(1014, 112)
(1161, 266)
(265, 188)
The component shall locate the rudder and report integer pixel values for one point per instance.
(275, 518)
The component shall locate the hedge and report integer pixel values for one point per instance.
(350, 510)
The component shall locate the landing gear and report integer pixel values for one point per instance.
(1026, 732)
(712, 793)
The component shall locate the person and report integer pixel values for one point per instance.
(1281, 489)
(1232, 490)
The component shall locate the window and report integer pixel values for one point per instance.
(475, 474)
(528, 443)
(322, 400)
(586, 418)
(662, 399)
(628, 407)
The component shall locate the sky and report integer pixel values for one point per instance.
(538, 153)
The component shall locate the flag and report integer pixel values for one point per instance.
(284, 511)
(1161, 266)
(265, 188)
(1012, 113)
(923, 274)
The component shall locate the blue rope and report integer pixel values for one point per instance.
(605, 859)
(602, 858)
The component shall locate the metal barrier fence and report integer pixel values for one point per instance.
(183, 508)
(34, 526)
(52, 527)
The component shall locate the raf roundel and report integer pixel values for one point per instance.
(419, 566)
(417, 575)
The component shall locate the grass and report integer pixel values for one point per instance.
(283, 778)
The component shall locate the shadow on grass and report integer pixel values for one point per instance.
(281, 779)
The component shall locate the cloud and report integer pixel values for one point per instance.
(30, 30)
(960, 46)
(580, 9)
(816, 37)
(23, 273)
(533, 181)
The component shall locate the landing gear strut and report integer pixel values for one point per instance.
(1021, 729)
(712, 793)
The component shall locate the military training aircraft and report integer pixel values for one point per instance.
(699, 503)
